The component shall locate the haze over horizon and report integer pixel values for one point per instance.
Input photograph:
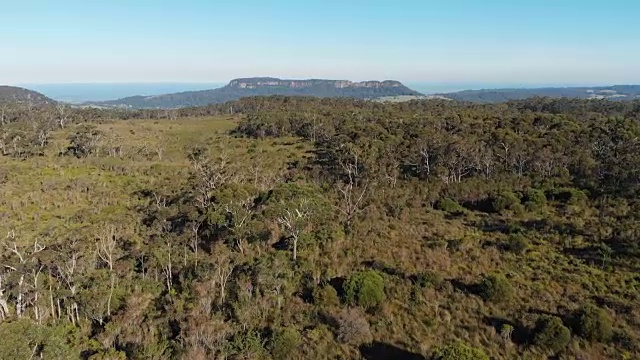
(91, 92)
(497, 41)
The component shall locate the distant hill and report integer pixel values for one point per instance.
(617, 92)
(12, 94)
(240, 88)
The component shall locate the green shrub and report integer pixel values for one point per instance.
(535, 199)
(506, 330)
(517, 244)
(506, 200)
(325, 296)
(25, 339)
(111, 354)
(578, 197)
(459, 351)
(569, 196)
(593, 323)
(496, 288)
(515, 229)
(429, 279)
(284, 342)
(449, 205)
(248, 342)
(365, 288)
(518, 209)
(551, 334)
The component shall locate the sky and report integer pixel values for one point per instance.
(564, 42)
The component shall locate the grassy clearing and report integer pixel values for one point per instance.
(54, 195)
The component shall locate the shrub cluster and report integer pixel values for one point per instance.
(428, 279)
(365, 288)
(507, 200)
(496, 288)
(593, 324)
(551, 334)
(449, 205)
(517, 244)
(284, 342)
(459, 351)
(326, 296)
(535, 199)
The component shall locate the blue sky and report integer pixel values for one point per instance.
(445, 41)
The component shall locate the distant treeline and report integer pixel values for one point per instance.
(616, 92)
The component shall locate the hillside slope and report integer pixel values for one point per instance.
(245, 87)
(13, 94)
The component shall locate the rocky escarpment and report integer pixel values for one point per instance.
(255, 83)
(266, 86)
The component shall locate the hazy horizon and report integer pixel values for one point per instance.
(462, 41)
(85, 92)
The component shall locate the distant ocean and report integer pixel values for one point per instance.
(79, 93)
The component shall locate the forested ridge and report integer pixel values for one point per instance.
(294, 227)
(616, 92)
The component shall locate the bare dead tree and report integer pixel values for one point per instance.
(68, 272)
(159, 149)
(106, 245)
(505, 154)
(240, 213)
(160, 200)
(167, 267)
(353, 191)
(483, 160)
(4, 305)
(24, 255)
(210, 175)
(428, 149)
(62, 117)
(520, 161)
(195, 240)
(391, 174)
(457, 161)
(3, 111)
(294, 221)
(224, 268)
(36, 307)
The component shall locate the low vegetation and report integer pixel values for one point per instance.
(304, 228)
(551, 334)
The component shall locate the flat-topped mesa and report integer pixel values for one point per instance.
(368, 84)
(268, 86)
(253, 83)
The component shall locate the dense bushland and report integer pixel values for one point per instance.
(321, 228)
